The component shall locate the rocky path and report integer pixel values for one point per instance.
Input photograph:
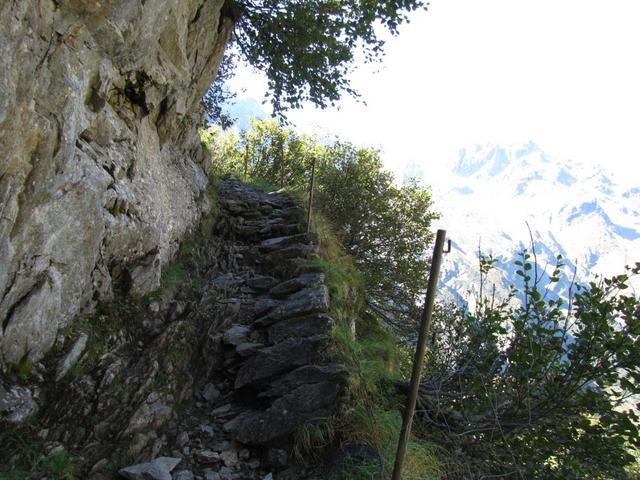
(262, 370)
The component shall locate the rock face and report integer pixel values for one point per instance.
(101, 168)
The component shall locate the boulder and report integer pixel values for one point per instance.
(158, 469)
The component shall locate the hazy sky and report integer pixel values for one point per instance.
(563, 73)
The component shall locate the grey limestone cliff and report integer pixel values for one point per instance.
(101, 168)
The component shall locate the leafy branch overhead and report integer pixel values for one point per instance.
(308, 48)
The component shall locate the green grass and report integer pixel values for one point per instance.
(373, 359)
(262, 184)
(23, 369)
(30, 461)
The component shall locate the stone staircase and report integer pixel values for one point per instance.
(262, 370)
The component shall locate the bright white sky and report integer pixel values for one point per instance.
(563, 73)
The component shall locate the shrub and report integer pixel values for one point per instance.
(384, 228)
(539, 388)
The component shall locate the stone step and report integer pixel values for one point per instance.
(278, 243)
(297, 283)
(302, 302)
(268, 333)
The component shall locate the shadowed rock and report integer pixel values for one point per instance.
(262, 282)
(280, 358)
(303, 302)
(306, 375)
(293, 285)
(307, 326)
(287, 413)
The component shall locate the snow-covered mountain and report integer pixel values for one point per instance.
(491, 193)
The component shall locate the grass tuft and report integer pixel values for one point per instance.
(373, 360)
(30, 462)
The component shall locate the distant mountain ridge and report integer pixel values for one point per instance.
(491, 196)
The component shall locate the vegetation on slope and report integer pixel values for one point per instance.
(530, 386)
(367, 429)
(366, 226)
(383, 227)
(535, 386)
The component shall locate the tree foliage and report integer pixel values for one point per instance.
(383, 226)
(218, 95)
(543, 388)
(307, 48)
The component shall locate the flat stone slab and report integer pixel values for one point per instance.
(158, 469)
(289, 412)
(285, 229)
(262, 282)
(297, 250)
(303, 302)
(280, 358)
(298, 283)
(307, 326)
(248, 349)
(305, 375)
(233, 206)
(264, 304)
(278, 243)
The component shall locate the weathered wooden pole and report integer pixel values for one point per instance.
(425, 326)
(282, 165)
(313, 177)
(246, 160)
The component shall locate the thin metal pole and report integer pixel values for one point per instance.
(313, 176)
(418, 360)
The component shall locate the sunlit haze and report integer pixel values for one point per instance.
(564, 74)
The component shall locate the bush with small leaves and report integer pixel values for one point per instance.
(536, 386)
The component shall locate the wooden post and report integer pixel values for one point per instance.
(282, 166)
(313, 176)
(246, 160)
(425, 326)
